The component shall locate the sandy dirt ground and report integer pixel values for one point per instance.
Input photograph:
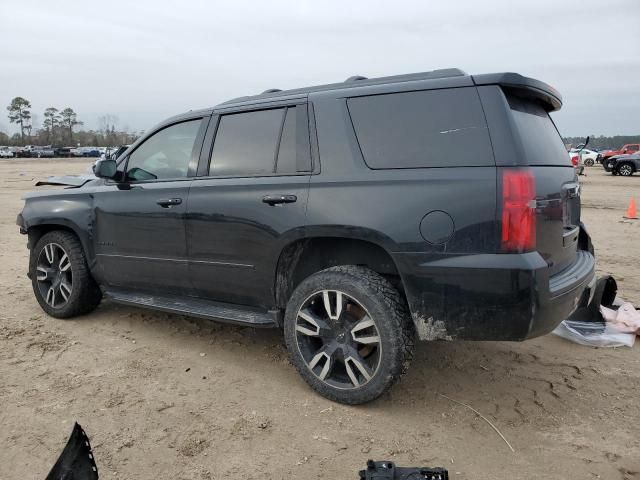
(169, 397)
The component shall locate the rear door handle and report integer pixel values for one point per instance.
(279, 199)
(169, 202)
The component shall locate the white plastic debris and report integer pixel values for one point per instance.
(594, 334)
(619, 329)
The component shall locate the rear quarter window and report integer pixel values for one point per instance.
(429, 128)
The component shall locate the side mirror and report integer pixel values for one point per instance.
(105, 168)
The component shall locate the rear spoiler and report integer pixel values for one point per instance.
(523, 86)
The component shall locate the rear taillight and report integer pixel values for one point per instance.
(518, 211)
(575, 160)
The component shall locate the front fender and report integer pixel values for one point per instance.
(70, 211)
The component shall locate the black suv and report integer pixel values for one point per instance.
(357, 216)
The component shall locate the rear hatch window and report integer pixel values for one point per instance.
(542, 144)
(427, 128)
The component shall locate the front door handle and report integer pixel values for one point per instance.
(279, 199)
(169, 202)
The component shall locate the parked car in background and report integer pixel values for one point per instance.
(43, 152)
(92, 152)
(588, 157)
(24, 152)
(64, 152)
(5, 152)
(623, 165)
(624, 150)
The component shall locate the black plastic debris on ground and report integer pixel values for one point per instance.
(76, 461)
(389, 471)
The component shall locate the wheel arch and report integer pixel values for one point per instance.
(36, 229)
(622, 163)
(305, 256)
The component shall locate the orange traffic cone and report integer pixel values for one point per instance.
(631, 211)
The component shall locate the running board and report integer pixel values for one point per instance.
(197, 307)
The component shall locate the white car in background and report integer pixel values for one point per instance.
(588, 156)
(5, 152)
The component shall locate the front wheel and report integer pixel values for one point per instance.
(60, 276)
(589, 162)
(349, 333)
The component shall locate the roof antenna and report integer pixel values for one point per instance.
(271, 90)
(355, 78)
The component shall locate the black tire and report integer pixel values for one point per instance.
(84, 294)
(589, 162)
(372, 294)
(625, 169)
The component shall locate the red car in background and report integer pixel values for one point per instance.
(629, 148)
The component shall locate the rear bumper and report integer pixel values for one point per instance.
(491, 296)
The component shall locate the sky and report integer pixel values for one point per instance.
(145, 60)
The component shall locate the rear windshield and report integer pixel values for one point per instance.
(429, 128)
(540, 138)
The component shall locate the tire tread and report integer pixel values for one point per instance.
(398, 318)
(88, 295)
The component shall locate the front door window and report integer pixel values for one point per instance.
(166, 154)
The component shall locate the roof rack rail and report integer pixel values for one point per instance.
(355, 78)
(271, 90)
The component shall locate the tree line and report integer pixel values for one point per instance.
(59, 127)
(59, 124)
(602, 142)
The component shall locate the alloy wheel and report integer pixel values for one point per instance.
(625, 170)
(338, 339)
(54, 275)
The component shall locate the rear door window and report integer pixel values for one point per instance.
(263, 142)
(246, 143)
(294, 152)
(286, 162)
(429, 128)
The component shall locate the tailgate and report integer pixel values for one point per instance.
(556, 184)
(557, 215)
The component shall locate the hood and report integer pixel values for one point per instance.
(624, 155)
(71, 181)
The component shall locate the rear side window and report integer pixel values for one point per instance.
(541, 142)
(430, 128)
(262, 143)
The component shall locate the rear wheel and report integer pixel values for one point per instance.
(625, 169)
(589, 162)
(349, 333)
(60, 276)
